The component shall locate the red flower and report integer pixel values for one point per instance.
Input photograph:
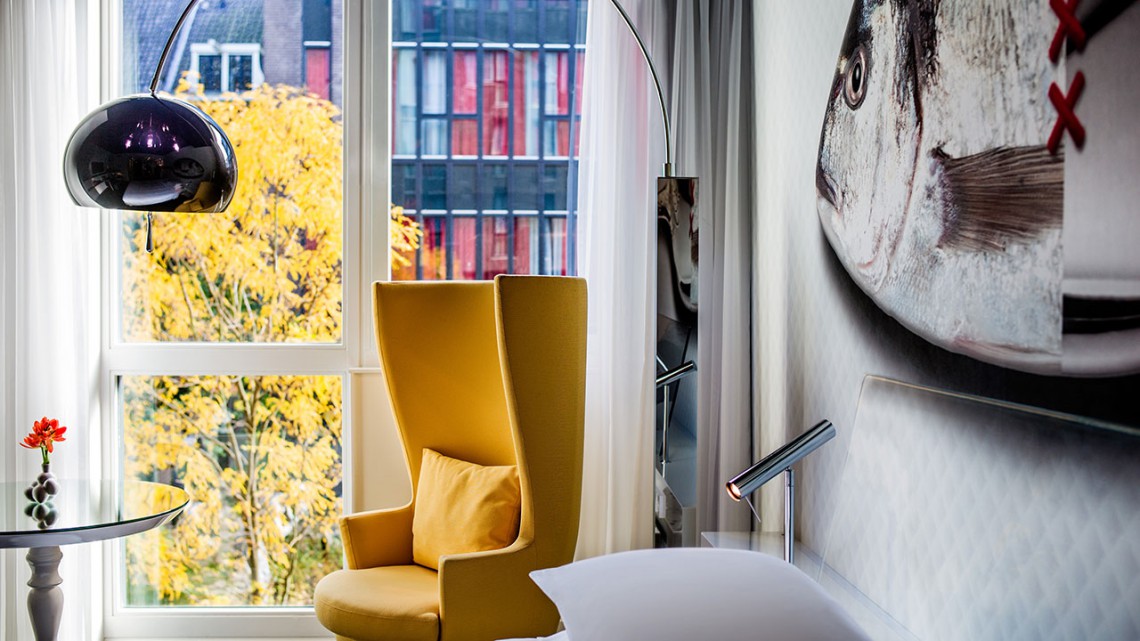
(45, 433)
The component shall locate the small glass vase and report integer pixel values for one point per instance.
(44, 487)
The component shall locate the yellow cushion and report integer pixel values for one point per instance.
(463, 507)
(393, 603)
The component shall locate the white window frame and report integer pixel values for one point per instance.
(366, 82)
(225, 50)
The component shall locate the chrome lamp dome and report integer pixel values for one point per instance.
(148, 153)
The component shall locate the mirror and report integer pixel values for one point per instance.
(675, 438)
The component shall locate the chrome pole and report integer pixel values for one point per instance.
(169, 44)
(656, 83)
(789, 515)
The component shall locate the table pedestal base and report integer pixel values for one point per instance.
(45, 600)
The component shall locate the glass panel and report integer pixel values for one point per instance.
(579, 68)
(433, 248)
(464, 137)
(404, 101)
(405, 15)
(580, 28)
(404, 269)
(433, 20)
(554, 187)
(496, 27)
(554, 246)
(404, 185)
(465, 92)
(435, 82)
(434, 136)
(526, 103)
(496, 247)
(493, 179)
(466, 17)
(496, 106)
(495, 135)
(463, 249)
(526, 245)
(525, 23)
(241, 73)
(558, 21)
(555, 138)
(461, 191)
(557, 84)
(268, 269)
(435, 186)
(260, 457)
(210, 72)
(524, 188)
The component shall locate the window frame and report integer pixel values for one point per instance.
(366, 80)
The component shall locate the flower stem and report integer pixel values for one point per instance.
(43, 450)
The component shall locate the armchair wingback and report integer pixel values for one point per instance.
(491, 373)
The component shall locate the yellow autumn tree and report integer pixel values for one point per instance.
(260, 455)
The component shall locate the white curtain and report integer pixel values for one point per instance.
(50, 292)
(622, 153)
(713, 116)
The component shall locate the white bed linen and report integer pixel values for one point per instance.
(561, 636)
(688, 594)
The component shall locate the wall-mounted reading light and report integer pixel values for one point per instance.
(767, 468)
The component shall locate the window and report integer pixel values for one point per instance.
(485, 121)
(228, 349)
(227, 67)
(231, 353)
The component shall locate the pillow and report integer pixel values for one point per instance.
(463, 507)
(682, 594)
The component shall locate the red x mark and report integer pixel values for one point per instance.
(1070, 27)
(1066, 118)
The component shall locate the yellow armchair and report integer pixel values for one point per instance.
(493, 374)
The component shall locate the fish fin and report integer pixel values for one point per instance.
(1000, 196)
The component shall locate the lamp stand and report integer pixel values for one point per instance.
(789, 515)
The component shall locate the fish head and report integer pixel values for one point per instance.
(869, 144)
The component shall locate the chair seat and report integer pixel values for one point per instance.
(394, 603)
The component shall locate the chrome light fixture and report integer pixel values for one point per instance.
(782, 460)
(148, 153)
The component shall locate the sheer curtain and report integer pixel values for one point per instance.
(622, 153)
(50, 292)
(713, 116)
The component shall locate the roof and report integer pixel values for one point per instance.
(149, 24)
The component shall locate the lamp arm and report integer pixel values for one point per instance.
(770, 466)
(677, 373)
(656, 83)
(169, 44)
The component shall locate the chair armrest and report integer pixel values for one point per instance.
(489, 595)
(377, 538)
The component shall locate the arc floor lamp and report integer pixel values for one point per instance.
(150, 153)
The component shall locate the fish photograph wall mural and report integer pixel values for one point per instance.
(978, 176)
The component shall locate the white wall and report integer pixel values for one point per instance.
(379, 472)
(818, 335)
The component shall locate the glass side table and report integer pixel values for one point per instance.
(84, 512)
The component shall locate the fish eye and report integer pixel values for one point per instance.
(855, 78)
